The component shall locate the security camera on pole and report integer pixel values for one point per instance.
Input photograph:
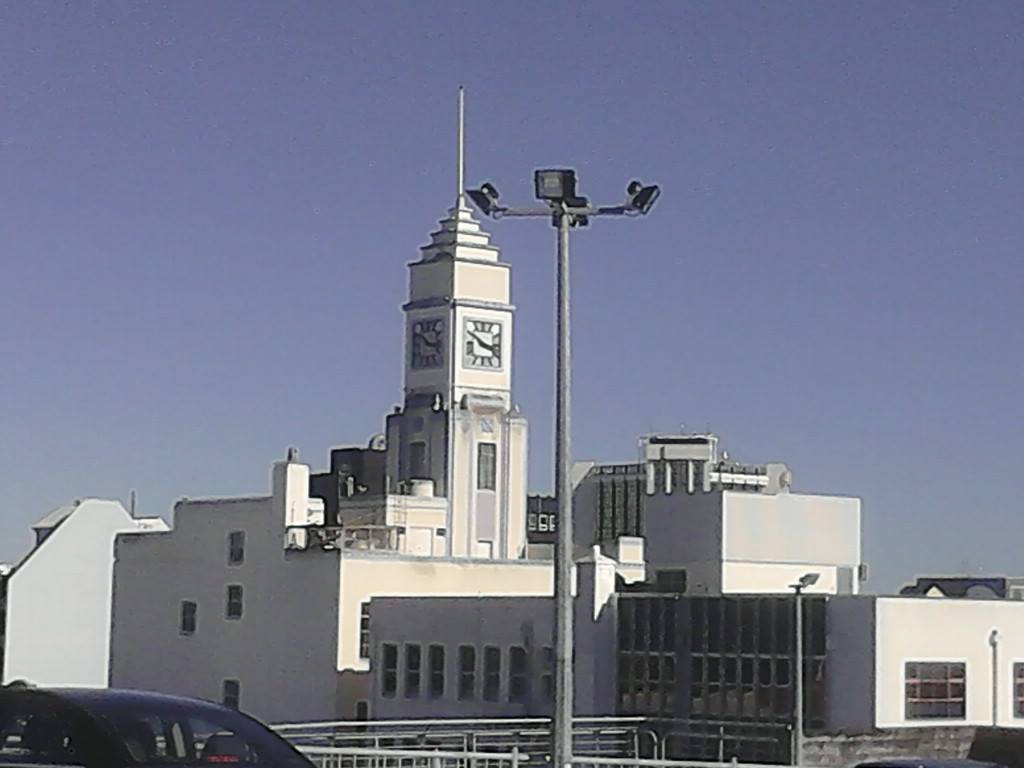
(557, 188)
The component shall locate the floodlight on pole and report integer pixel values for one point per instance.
(558, 185)
(556, 189)
(641, 198)
(805, 581)
(485, 198)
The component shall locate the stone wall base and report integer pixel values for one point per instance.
(1004, 746)
(839, 750)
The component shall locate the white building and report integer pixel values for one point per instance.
(58, 613)
(735, 542)
(714, 526)
(255, 597)
(899, 662)
(433, 507)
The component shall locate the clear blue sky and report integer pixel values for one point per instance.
(206, 210)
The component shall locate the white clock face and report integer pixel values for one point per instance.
(426, 343)
(483, 344)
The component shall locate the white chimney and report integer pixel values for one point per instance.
(290, 484)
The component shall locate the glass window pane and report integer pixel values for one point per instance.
(389, 670)
(412, 671)
(234, 602)
(436, 661)
(492, 673)
(189, 610)
(467, 672)
(486, 466)
(236, 547)
(517, 674)
(231, 694)
(935, 690)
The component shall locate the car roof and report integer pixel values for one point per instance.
(86, 696)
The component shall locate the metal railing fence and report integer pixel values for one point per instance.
(608, 736)
(354, 757)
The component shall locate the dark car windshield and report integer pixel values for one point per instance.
(41, 730)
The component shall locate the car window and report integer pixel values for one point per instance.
(161, 734)
(176, 739)
(34, 732)
(106, 732)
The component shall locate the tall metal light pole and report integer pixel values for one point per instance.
(564, 630)
(566, 209)
(807, 580)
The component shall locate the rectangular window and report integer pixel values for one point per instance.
(436, 661)
(1018, 689)
(547, 678)
(231, 694)
(234, 609)
(518, 678)
(189, 610)
(674, 580)
(418, 461)
(467, 673)
(935, 690)
(486, 466)
(388, 670)
(236, 547)
(492, 673)
(412, 671)
(364, 631)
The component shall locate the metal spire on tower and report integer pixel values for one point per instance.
(459, 228)
(460, 152)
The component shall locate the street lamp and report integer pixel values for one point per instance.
(807, 580)
(556, 188)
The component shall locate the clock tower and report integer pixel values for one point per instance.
(458, 426)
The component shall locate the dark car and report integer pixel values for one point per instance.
(95, 728)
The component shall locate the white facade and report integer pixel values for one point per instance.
(950, 630)
(59, 598)
(303, 594)
(743, 542)
(877, 644)
(770, 540)
(363, 578)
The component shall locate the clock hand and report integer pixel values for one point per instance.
(424, 341)
(489, 347)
